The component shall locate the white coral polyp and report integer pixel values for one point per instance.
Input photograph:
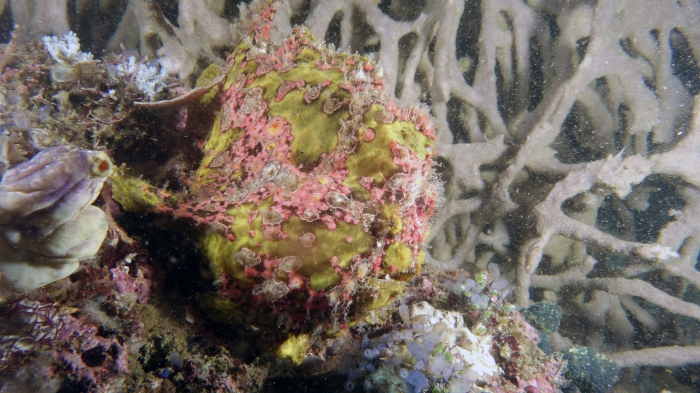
(150, 80)
(67, 49)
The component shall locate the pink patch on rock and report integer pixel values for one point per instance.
(368, 135)
(366, 182)
(125, 284)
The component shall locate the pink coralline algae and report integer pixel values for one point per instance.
(310, 161)
(525, 367)
(71, 340)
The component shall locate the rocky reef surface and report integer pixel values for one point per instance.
(253, 209)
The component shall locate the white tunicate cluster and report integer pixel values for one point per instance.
(20, 120)
(440, 368)
(430, 347)
(481, 289)
(479, 301)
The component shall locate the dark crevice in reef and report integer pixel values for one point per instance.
(6, 26)
(323, 383)
(333, 36)
(95, 24)
(684, 63)
(171, 243)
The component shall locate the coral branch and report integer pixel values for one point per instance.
(661, 356)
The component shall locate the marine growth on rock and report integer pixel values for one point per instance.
(47, 222)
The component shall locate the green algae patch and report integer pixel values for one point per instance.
(134, 194)
(295, 347)
(221, 310)
(397, 255)
(327, 244)
(324, 279)
(380, 292)
(374, 159)
(315, 132)
(247, 233)
(208, 76)
(314, 135)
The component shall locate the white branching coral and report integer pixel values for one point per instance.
(198, 37)
(564, 129)
(149, 79)
(66, 50)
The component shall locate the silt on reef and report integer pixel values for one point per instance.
(315, 190)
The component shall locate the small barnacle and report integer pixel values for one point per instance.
(337, 200)
(270, 171)
(284, 88)
(290, 263)
(397, 181)
(272, 217)
(272, 290)
(368, 219)
(211, 207)
(384, 116)
(331, 104)
(239, 82)
(361, 270)
(348, 130)
(226, 117)
(237, 195)
(253, 50)
(346, 146)
(246, 257)
(349, 287)
(309, 216)
(360, 75)
(265, 65)
(347, 137)
(307, 240)
(287, 181)
(334, 296)
(366, 182)
(312, 93)
(218, 227)
(379, 72)
(355, 208)
(287, 63)
(252, 101)
(360, 104)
